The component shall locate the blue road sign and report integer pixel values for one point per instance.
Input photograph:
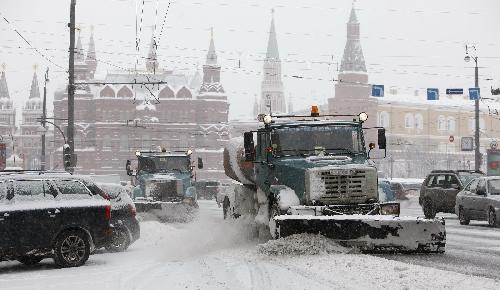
(378, 90)
(454, 91)
(474, 93)
(432, 94)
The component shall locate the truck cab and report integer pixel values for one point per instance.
(163, 178)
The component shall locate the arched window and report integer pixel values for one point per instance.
(451, 124)
(107, 92)
(409, 120)
(419, 121)
(166, 93)
(384, 119)
(184, 93)
(125, 92)
(441, 123)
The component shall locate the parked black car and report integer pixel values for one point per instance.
(126, 229)
(54, 216)
(480, 200)
(439, 190)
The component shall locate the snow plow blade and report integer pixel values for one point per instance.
(371, 233)
(167, 211)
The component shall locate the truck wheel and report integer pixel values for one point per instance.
(273, 212)
(119, 241)
(462, 218)
(492, 218)
(429, 210)
(226, 208)
(72, 248)
(30, 260)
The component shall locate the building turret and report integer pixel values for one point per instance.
(272, 95)
(4, 89)
(79, 54)
(91, 59)
(211, 85)
(152, 60)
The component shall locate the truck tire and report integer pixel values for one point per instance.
(120, 241)
(462, 217)
(226, 208)
(30, 260)
(273, 211)
(492, 218)
(72, 248)
(429, 210)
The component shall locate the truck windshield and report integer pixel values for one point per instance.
(316, 140)
(152, 164)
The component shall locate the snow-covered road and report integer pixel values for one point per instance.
(212, 254)
(472, 249)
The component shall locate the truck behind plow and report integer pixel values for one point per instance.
(315, 176)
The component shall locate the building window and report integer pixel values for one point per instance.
(107, 92)
(451, 124)
(441, 123)
(409, 120)
(384, 119)
(125, 92)
(419, 121)
(472, 124)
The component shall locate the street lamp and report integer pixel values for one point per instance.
(467, 58)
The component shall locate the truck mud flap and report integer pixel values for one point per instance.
(379, 234)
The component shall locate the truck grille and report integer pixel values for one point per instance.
(166, 191)
(342, 185)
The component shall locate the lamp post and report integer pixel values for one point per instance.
(58, 128)
(467, 58)
(44, 116)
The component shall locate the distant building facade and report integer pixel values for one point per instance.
(422, 135)
(114, 120)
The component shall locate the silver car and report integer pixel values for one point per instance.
(480, 200)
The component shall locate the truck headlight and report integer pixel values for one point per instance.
(389, 209)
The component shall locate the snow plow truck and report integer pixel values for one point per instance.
(163, 184)
(313, 174)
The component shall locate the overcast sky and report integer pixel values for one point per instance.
(408, 45)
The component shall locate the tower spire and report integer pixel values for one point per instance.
(353, 59)
(272, 43)
(152, 60)
(211, 55)
(91, 59)
(4, 90)
(79, 57)
(35, 90)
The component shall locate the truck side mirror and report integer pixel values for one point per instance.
(200, 163)
(382, 142)
(249, 146)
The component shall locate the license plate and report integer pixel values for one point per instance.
(340, 172)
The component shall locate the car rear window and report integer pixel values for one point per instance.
(29, 189)
(72, 189)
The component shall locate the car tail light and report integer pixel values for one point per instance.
(107, 212)
(133, 211)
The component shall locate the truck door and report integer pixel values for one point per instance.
(437, 191)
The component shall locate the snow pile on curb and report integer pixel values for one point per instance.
(302, 244)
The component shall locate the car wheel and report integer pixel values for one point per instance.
(462, 218)
(72, 249)
(120, 241)
(492, 218)
(429, 210)
(30, 260)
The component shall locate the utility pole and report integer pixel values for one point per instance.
(477, 152)
(44, 116)
(71, 86)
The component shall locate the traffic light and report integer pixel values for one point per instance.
(67, 156)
